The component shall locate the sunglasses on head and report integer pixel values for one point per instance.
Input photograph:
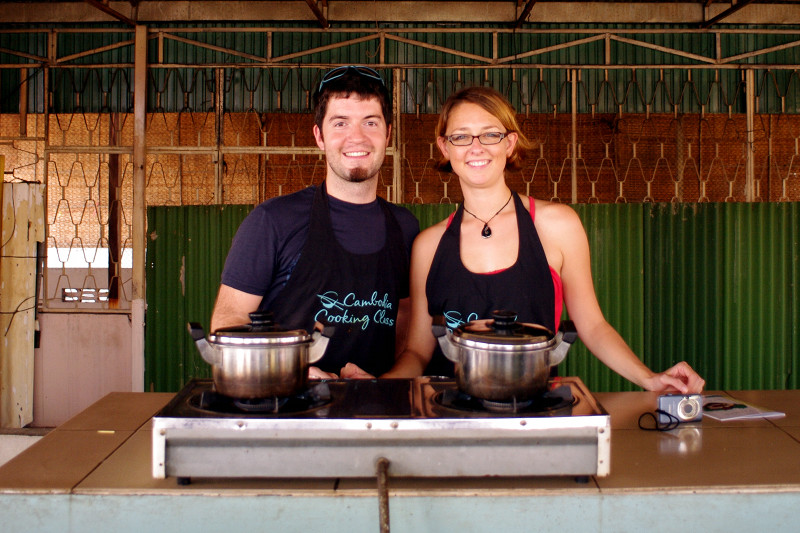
(338, 72)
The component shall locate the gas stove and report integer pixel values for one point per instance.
(424, 427)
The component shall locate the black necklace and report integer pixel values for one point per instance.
(487, 231)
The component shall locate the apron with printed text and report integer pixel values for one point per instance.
(462, 296)
(357, 294)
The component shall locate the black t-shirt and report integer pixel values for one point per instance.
(269, 241)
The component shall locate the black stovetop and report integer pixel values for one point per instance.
(425, 397)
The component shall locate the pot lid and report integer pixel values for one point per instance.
(262, 330)
(503, 330)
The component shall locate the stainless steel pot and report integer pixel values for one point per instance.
(261, 359)
(500, 359)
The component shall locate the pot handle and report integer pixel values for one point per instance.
(567, 334)
(196, 331)
(207, 352)
(439, 327)
(320, 343)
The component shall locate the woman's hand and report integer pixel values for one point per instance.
(680, 378)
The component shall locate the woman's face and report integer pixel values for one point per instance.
(476, 163)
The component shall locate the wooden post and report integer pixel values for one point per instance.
(22, 209)
(397, 162)
(574, 158)
(750, 170)
(139, 208)
(114, 216)
(23, 102)
(219, 117)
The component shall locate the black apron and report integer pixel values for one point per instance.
(461, 296)
(357, 294)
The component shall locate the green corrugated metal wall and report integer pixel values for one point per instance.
(713, 284)
(616, 242)
(760, 269)
(684, 286)
(186, 249)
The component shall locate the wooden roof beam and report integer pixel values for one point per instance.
(728, 12)
(103, 6)
(525, 12)
(312, 4)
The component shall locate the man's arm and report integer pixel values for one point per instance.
(233, 308)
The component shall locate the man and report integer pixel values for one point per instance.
(336, 253)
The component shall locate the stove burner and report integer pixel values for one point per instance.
(556, 402)
(212, 402)
(261, 405)
(505, 407)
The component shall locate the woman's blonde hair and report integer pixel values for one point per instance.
(494, 103)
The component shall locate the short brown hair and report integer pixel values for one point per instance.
(351, 82)
(494, 103)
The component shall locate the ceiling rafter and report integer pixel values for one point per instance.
(525, 12)
(472, 61)
(513, 14)
(312, 5)
(725, 14)
(104, 7)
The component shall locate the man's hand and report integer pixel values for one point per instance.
(352, 371)
(316, 373)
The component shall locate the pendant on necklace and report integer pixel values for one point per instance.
(486, 232)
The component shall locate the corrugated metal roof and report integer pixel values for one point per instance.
(603, 88)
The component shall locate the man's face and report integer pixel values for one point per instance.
(354, 137)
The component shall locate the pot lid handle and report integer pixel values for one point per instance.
(262, 321)
(505, 322)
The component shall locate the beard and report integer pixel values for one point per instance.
(358, 175)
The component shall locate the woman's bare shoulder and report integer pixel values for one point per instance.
(549, 214)
(430, 236)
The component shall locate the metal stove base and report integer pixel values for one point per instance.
(571, 446)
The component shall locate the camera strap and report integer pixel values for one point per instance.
(673, 423)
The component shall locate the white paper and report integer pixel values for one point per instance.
(739, 410)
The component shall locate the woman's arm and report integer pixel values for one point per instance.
(565, 237)
(420, 342)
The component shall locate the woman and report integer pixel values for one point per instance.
(504, 250)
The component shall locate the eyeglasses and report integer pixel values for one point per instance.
(338, 72)
(463, 139)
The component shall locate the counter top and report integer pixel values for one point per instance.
(756, 454)
(105, 452)
(106, 448)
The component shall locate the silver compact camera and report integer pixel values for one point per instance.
(683, 407)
